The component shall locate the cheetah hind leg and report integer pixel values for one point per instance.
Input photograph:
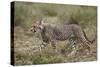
(87, 46)
(73, 43)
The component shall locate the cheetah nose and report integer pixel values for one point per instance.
(34, 30)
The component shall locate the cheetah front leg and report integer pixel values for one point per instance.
(43, 44)
(53, 44)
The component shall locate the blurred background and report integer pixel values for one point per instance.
(26, 43)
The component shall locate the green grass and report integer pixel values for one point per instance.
(25, 43)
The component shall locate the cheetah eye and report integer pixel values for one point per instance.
(34, 26)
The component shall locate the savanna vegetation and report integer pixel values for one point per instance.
(26, 43)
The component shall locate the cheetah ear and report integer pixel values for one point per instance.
(42, 21)
(38, 22)
(41, 27)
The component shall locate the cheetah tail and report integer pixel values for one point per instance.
(92, 41)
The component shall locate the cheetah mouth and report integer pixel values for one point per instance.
(33, 31)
